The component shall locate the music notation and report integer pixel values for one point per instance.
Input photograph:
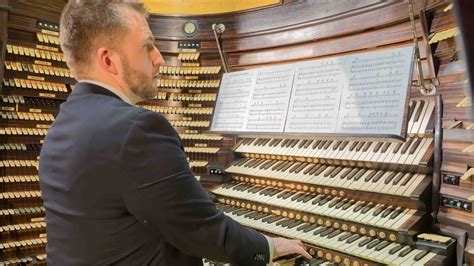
(315, 98)
(363, 93)
(376, 93)
(269, 101)
(230, 113)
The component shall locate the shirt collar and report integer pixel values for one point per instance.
(114, 90)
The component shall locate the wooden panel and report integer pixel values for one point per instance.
(396, 34)
(248, 32)
(259, 21)
(48, 10)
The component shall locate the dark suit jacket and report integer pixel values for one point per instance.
(118, 190)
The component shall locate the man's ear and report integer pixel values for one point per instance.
(107, 60)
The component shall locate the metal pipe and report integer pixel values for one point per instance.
(220, 28)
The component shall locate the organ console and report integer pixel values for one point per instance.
(351, 200)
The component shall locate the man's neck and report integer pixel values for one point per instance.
(126, 97)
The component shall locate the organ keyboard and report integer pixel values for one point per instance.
(357, 201)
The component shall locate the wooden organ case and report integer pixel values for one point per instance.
(352, 201)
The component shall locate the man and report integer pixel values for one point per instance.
(116, 184)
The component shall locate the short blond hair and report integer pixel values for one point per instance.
(88, 24)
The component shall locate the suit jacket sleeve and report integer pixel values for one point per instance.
(162, 192)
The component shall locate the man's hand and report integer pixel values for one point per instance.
(283, 246)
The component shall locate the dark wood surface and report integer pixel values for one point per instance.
(4, 10)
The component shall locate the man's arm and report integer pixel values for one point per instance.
(163, 193)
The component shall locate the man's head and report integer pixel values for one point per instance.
(110, 41)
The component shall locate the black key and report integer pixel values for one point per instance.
(343, 145)
(344, 236)
(316, 144)
(296, 223)
(284, 192)
(294, 142)
(294, 167)
(336, 171)
(327, 232)
(347, 205)
(419, 110)
(359, 174)
(321, 145)
(320, 170)
(325, 200)
(306, 145)
(312, 227)
(405, 252)
(297, 196)
(378, 176)
(277, 142)
(308, 198)
(377, 147)
(360, 145)
(365, 242)
(302, 143)
(318, 199)
(334, 203)
(367, 146)
(379, 210)
(303, 166)
(353, 238)
(319, 230)
(333, 234)
(369, 176)
(288, 195)
(397, 179)
(396, 213)
(407, 145)
(411, 109)
(359, 206)
(386, 146)
(278, 165)
(315, 169)
(382, 245)
(328, 171)
(303, 226)
(374, 243)
(287, 166)
(338, 143)
(341, 203)
(420, 255)
(397, 147)
(387, 211)
(328, 143)
(367, 208)
(309, 169)
(352, 173)
(346, 172)
(415, 146)
(354, 144)
(406, 179)
(391, 176)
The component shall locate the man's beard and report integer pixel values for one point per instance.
(138, 82)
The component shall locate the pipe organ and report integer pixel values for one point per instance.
(352, 201)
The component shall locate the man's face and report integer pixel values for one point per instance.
(139, 57)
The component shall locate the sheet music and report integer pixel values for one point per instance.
(230, 113)
(376, 93)
(269, 101)
(315, 97)
(363, 93)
